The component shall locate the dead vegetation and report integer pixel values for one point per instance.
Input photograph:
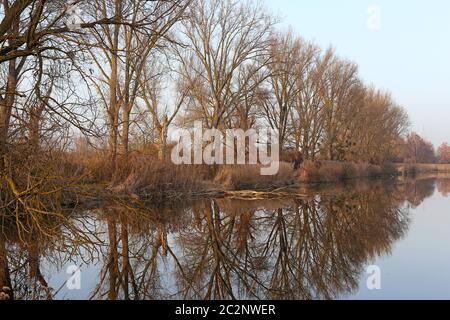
(413, 169)
(152, 179)
(334, 171)
(249, 177)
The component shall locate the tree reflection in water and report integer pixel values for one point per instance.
(28, 240)
(443, 186)
(310, 248)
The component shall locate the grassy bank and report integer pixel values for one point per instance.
(152, 179)
(79, 178)
(414, 169)
(334, 171)
(249, 177)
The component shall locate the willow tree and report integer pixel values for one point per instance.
(227, 44)
(163, 93)
(120, 53)
(338, 88)
(285, 58)
(28, 29)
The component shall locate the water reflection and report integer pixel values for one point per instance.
(443, 186)
(310, 248)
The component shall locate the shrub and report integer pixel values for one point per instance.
(95, 166)
(36, 183)
(321, 171)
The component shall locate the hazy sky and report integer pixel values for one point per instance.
(407, 52)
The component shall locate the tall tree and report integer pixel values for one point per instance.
(120, 53)
(227, 45)
(444, 153)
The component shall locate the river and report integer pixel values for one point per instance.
(362, 240)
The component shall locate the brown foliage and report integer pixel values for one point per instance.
(443, 186)
(444, 153)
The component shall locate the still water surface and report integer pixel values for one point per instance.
(317, 246)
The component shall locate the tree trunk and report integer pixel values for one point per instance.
(5, 280)
(6, 105)
(113, 263)
(34, 130)
(124, 141)
(113, 108)
(162, 152)
(35, 266)
(112, 145)
(330, 151)
(125, 257)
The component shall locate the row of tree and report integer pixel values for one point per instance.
(416, 149)
(245, 74)
(126, 72)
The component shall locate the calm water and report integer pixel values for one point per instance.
(314, 247)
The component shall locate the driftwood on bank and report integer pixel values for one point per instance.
(287, 192)
(217, 193)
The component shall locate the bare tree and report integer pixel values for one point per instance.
(284, 54)
(306, 114)
(31, 28)
(291, 58)
(120, 53)
(157, 80)
(222, 38)
(339, 79)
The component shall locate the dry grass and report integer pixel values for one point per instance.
(63, 175)
(93, 164)
(242, 177)
(421, 168)
(151, 179)
(249, 177)
(333, 171)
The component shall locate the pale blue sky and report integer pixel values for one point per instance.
(409, 54)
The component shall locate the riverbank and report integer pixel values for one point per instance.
(160, 182)
(150, 180)
(412, 169)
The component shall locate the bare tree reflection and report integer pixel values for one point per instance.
(416, 190)
(443, 186)
(315, 247)
(137, 243)
(5, 278)
(25, 240)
